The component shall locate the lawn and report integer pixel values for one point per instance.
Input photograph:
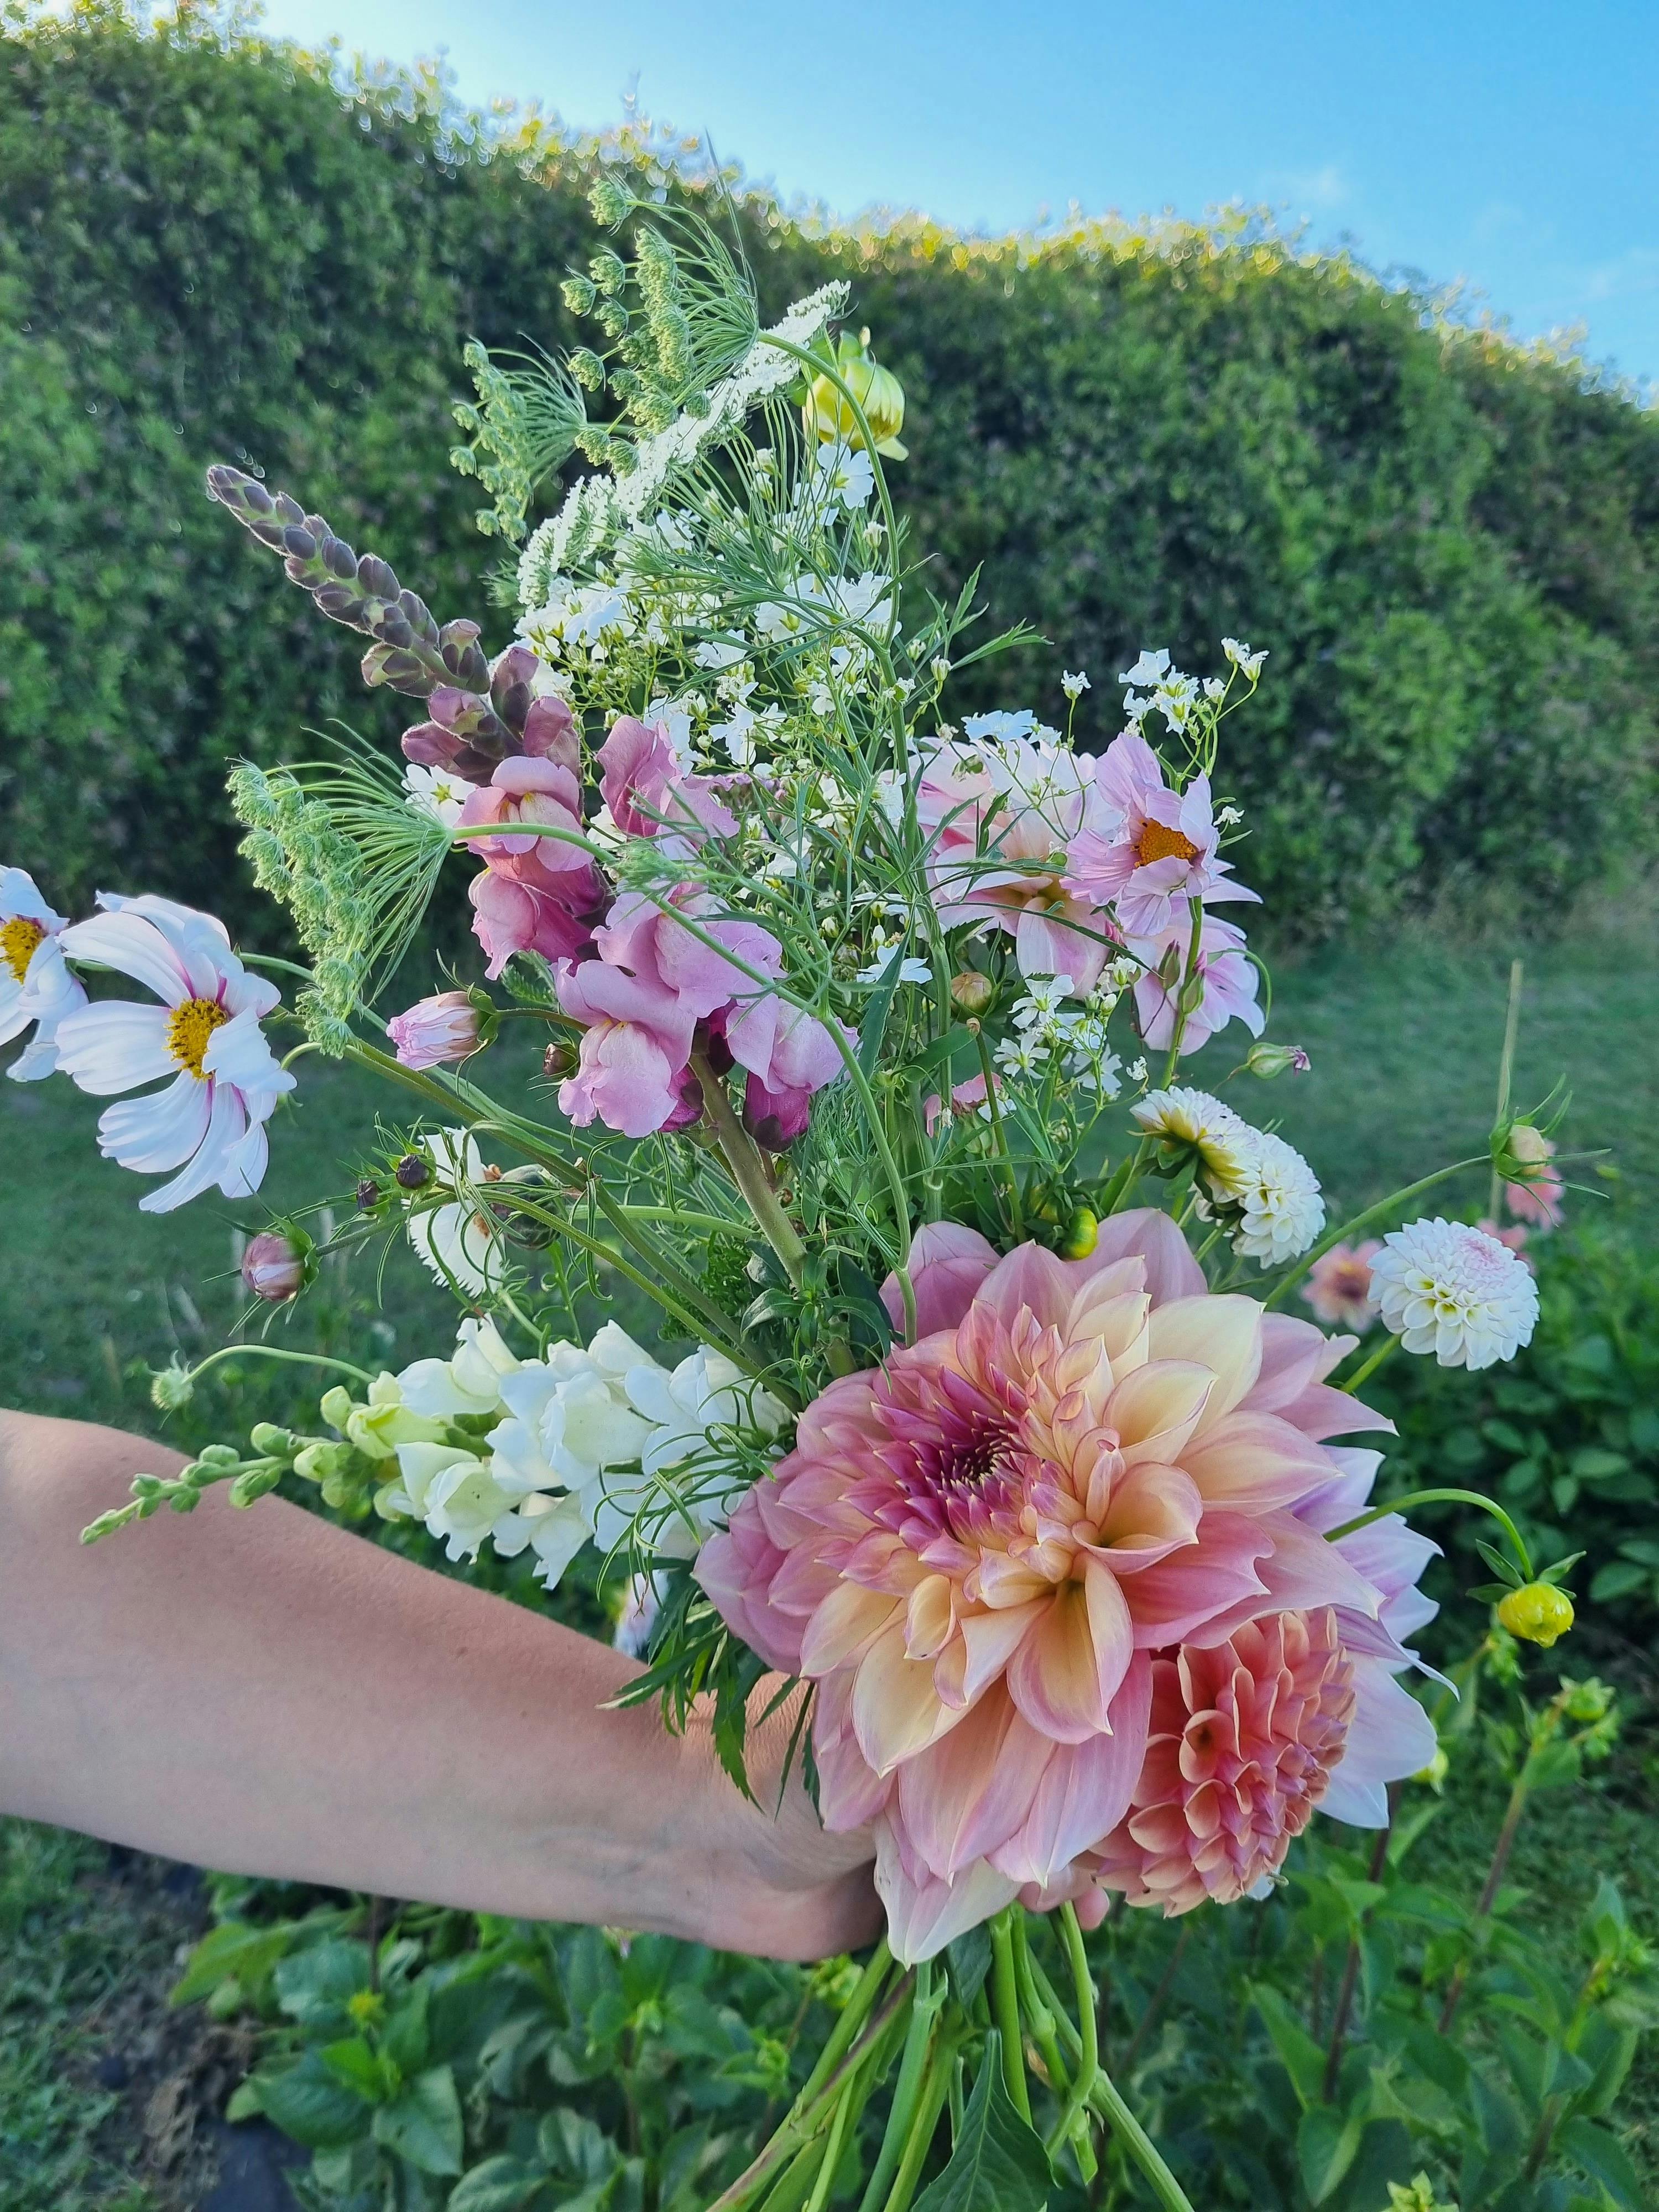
(1404, 1038)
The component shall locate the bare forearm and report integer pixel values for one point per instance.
(263, 1692)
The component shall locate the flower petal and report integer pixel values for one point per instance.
(1067, 1672)
(132, 947)
(157, 1131)
(115, 1046)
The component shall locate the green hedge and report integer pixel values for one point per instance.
(208, 251)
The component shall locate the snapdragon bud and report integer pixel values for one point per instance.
(972, 993)
(435, 1031)
(1268, 1060)
(335, 1405)
(1537, 1614)
(273, 1267)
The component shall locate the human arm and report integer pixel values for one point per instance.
(263, 1692)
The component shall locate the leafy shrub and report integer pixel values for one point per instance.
(209, 249)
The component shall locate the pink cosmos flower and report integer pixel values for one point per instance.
(1339, 1285)
(977, 1551)
(435, 1030)
(650, 793)
(1538, 1201)
(537, 894)
(1160, 849)
(1227, 979)
(998, 815)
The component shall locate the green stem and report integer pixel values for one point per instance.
(831, 2159)
(1363, 1374)
(1505, 1075)
(1138, 2144)
(1088, 2029)
(274, 1352)
(912, 2068)
(1016, 1216)
(1005, 2006)
(1196, 908)
(748, 1171)
(932, 2105)
(1335, 1236)
(1439, 1498)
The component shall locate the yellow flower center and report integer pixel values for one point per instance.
(1157, 842)
(190, 1027)
(18, 938)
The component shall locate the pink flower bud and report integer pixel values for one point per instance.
(273, 1267)
(434, 1030)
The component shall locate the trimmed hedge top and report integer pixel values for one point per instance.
(209, 249)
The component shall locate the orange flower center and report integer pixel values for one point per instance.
(1157, 842)
(18, 938)
(190, 1027)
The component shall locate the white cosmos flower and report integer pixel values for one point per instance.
(209, 1120)
(1280, 1210)
(437, 791)
(1445, 1288)
(35, 985)
(459, 1243)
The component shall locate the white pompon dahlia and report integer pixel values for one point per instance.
(35, 986)
(1445, 1288)
(1183, 1116)
(209, 1122)
(1280, 1210)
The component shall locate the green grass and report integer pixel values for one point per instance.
(1404, 1037)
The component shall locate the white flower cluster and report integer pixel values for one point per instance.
(589, 1446)
(1445, 1288)
(1262, 1190)
(1048, 1031)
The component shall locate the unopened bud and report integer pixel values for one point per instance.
(369, 1194)
(412, 1172)
(437, 1030)
(319, 1460)
(1082, 1234)
(972, 993)
(335, 1405)
(265, 1436)
(273, 1267)
(558, 1060)
(830, 418)
(1268, 1060)
(1539, 1613)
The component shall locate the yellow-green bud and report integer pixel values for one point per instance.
(1540, 1614)
(1434, 1774)
(318, 1461)
(971, 992)
(1082, 1235)
(829, 419)
(335, 1405)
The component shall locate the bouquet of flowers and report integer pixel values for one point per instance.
(988, 1447)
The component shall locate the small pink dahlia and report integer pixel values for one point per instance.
(1243, 1741)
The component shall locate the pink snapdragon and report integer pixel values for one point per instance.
(1158, 849)
(999, 811)
(648, 790)
(983, 1552)
(1225, 977)
(537, 894)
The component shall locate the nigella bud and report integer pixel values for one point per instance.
(369, 1194)
(273, 1267)
(437, 1030)
(971, 992)
(412, 1172)
(559, 1059)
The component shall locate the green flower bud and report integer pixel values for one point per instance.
(827, 414)
(267, 1439)
(336, 1406)
(316, 1462)
(1268, 1060)
(1539, 1613)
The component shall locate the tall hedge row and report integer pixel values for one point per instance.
(1450, 545)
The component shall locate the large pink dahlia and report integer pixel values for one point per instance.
(979, 1550)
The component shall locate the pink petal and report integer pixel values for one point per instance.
(1067, 1672)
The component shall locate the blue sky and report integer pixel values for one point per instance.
(1512, 144)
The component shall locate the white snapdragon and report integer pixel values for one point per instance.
(469, 1383)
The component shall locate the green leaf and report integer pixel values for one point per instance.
(1325, 2145)
(1600, 2154)
(574, 2144)
(311, 2104)
(424, 2126)
(998, 2164)
(969, 1959)
(352, 2061)
(500, 2184)
(406, 2040)
(873, 1026)
(312, 1985)
(231, 1949)
(1301, 2057)
(244, 2103)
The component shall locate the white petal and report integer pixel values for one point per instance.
(226, 1124)
(115, 1046)
(237, 1053)
(160, 1131)
(21, 895)
(200, 942)
(244, 1169)
(133, 947)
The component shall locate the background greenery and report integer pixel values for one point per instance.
(209, 249)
